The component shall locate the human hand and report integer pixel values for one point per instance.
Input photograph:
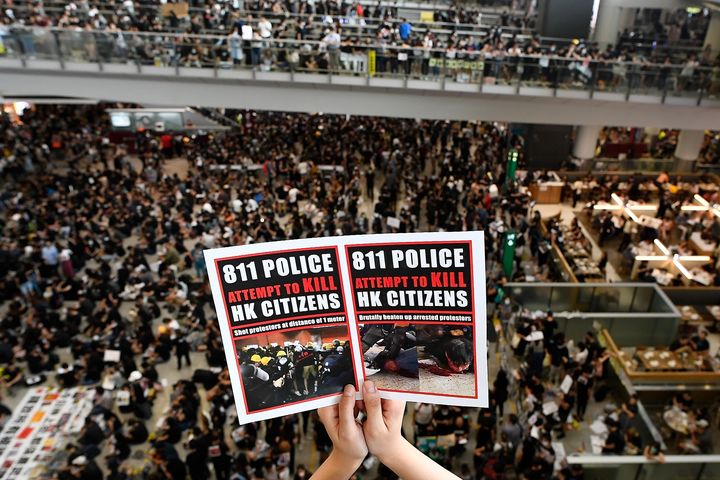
(383, 426)
(346, 434)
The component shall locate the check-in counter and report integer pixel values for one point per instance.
(547, 192)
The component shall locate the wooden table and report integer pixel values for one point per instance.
(659, 360)
(663, 360)
(689, 313)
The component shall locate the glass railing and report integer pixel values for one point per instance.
(646, 165)
(533, 75)
(673, 467)
(633, 313)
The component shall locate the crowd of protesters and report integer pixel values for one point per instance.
(102, 250)
(325, 38)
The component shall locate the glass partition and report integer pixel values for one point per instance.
(592, 298)
(697, 467)
(633, 313)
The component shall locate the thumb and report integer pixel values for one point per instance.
(346, 407)
(373, 405)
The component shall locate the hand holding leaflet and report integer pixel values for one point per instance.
(349, 448)
(380, 434)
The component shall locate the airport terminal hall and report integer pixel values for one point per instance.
(360, 239)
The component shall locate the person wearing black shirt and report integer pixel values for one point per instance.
(549, 325)
(500, 390)
(197, 455)
(218, 453)
(615, 442)
(559, 356)
(583, 385)
(699, 342)
(91, 433)
(11, 375)
(170, 465)
(565, 407)
(137, 432)
(592, 345)
(182, 350)
(85, 469)
(681, 344)
(443, 420)
(629, 411)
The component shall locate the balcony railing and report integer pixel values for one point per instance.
(541, 75)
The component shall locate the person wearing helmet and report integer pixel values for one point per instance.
(282, 378)
(256, 381)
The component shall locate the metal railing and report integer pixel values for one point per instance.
(492, 70)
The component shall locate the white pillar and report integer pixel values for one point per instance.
(586, 137)
(606, 26)
(626, 18)
(689, 144)
(712, 37)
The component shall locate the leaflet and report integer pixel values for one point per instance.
(300, 319)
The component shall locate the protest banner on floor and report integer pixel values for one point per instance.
(33, 440)
(300, 319)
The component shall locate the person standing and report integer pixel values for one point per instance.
(331, 41)
(500, 391)
(370, 180)
(584, 385)
(628, 230)
(182, 350)
(51, 257)
(405, 30)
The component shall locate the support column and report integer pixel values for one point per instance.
(606, 26)
(627, 19)
(586, 137)
(712, 37)
(688, 148)
(564, 18)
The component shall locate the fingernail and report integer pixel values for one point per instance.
(370, 387)
(349, 390)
